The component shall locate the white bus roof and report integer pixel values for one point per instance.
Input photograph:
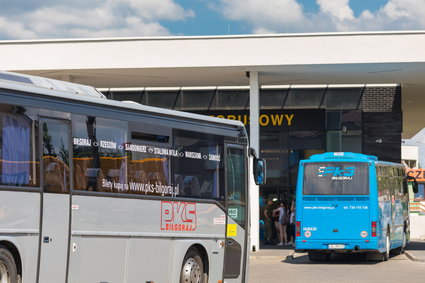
(62, 89)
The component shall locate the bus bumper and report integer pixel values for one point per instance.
(336, 246)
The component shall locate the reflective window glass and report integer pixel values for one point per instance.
(230, 99)
(199, 165)
(336, 178)
(272, 98)
(194, 99)
(55, 157)
(236, 184)
(305, 98)
(100, 161)
(343, 98)
(18, 154)
(127, 95)
(163, 99)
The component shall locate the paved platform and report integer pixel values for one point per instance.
(415, 251)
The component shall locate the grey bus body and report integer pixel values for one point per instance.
(94, 190)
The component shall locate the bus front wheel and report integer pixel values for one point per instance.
(8, 272)
(192, 268)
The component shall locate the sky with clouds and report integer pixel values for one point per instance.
(47, 19)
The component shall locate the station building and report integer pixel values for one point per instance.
(297, 94)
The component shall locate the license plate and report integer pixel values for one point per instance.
(337, 246)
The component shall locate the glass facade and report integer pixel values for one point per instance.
(295, 122)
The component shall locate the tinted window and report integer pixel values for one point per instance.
(19, 164)
(304, 98)
(145, 160)
(55, 157)
(236, 184)
(343, 98)
(230, 99)
(164, 99)
(100, 161)
(336, 178)
(272, 98)
(194, 99)
(199, 165)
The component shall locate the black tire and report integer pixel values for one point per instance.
(400, 250)
(386, 253)
(8, 271)
(318, 256)
(192, 270)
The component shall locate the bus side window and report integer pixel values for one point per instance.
(19, 164)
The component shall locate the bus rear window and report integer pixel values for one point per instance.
(336, 178)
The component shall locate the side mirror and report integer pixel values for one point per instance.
(415, 186)
(259, 171)
(414, 183)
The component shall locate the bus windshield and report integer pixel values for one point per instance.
(336, 178)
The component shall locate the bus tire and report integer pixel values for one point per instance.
(386, 253)
(193, 268)
(400, 250)
(8, 271)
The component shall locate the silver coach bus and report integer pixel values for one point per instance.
(94, 190)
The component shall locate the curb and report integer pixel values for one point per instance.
(412, 257)
(282, 256)
(265, 257)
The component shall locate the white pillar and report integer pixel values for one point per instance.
(254, 137)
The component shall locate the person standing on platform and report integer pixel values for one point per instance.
(267, 217)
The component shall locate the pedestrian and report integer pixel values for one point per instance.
(280, 223)
(267, 217)
(292, 224)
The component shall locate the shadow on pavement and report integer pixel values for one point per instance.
(416, 246)
(358, 259)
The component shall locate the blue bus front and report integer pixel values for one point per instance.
(336, 208)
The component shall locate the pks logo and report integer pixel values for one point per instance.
(178, 216)
(337, 173)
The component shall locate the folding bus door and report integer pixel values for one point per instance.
(55, 138)
(237, 211)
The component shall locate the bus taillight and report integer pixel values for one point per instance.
(373, 228)
(297, 229)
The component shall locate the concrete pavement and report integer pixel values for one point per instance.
(415, 251)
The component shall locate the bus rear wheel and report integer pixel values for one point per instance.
(386, 253)
(8, 272)
(193, 268)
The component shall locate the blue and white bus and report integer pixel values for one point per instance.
(348, 202)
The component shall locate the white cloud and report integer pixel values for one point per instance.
(338, 9)
(98, 19)
(332, 15)
(264, 15)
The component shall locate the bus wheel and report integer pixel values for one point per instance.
(404, 244)
(400, 250)
(8, 272)
(386, 253)
(192, 268)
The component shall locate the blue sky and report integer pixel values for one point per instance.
(29, 19)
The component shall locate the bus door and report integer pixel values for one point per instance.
(237, 222)
(54, 241)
